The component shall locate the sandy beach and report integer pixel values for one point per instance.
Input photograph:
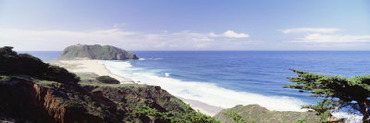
(89, 66)
(210, 110)
(93, 66)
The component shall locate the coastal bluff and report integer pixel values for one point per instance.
(96, 51)
(32, 91)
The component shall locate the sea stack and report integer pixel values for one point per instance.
(96, 51)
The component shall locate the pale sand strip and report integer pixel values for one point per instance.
(92, 66)
(204, 108)
(89, 66)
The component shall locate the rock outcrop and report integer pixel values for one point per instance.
(105, 52)
(26, 99)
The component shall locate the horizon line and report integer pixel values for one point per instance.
(200, 50)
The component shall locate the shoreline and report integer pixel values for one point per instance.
(93, 66)
(89, 66)
(202, 107)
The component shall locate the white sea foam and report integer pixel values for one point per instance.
(348, 118)
(141, 58)
(155, 58)
(167, 74)
(205, 92)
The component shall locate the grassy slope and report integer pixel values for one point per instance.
(258, 114)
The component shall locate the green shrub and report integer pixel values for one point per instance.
(107, 79)
(188, 116)
(237, 118)
(13, 63)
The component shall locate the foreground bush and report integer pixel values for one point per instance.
(107, 79)
(13, 63)
(188, 116)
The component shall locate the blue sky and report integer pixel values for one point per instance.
(187, 24)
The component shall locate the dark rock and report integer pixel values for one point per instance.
(31, 100)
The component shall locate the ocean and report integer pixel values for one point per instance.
(229, 78)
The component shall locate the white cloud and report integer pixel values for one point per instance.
(230, 34)
(323, 38)
(183, 40)
(326, 35)
(311, 30)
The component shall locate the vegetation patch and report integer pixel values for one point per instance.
(258, 114)
(12, 63)
(188, 116)
(336, 92)
(95, 52)
(4, 78)
(45, 82)
(107, 80)
(237, 118)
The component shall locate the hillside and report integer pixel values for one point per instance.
(258, 114)
(26, 98)
(105, 52)
(48, 93)
(12, 63)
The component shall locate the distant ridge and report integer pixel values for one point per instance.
(96, 51)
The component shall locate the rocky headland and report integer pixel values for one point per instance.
(96, 51)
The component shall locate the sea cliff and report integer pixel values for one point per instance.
(27, 99)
